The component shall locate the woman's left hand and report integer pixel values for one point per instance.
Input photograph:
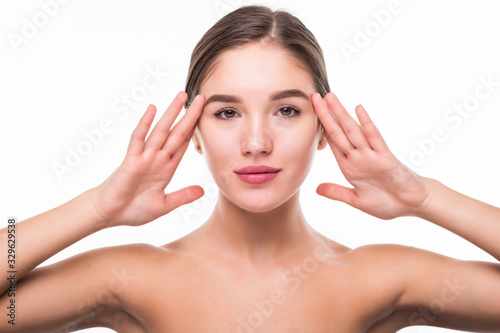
(382, 185)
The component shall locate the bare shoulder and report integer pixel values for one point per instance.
(120, 255)
(132, 272)
(85, 290)
(399, 265)
(139, 260)
(373, 254)
(394, 254)
(386, 274)
(120, 267)
(102, 260)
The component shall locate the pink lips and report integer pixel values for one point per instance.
(257, 174)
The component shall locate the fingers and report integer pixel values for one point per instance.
(182, 197)
(136, 145)
(176, 156)
(337, 192)
(339, 155)
(334, 132)
(372, 133)
(350, 127)
(162, 129)
(181, 134)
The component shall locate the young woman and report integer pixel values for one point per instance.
(258, 106)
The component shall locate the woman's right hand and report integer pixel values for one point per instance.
(135, 193)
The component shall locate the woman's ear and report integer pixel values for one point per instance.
(322, 143)
(197, 145)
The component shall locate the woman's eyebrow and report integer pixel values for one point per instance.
(274, 97)
(288, 93)
(223, 99)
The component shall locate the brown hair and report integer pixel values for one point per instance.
(252, 24)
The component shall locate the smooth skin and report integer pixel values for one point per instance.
(195, 284)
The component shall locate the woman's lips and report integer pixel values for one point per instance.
(257, 178)
(257, 174)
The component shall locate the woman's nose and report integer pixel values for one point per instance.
(257, 138)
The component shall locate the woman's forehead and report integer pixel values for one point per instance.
(257, 68)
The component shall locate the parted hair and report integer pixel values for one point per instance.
(256, 24)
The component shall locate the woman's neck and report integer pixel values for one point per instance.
(259, 239)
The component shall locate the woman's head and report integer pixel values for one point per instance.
(257, 75)
(256, 24)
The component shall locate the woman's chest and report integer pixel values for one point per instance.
(294, 300)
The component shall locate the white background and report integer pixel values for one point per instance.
(65, 78)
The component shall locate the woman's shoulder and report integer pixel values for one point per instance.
(377, 257)
(136, 265)
(395, 253)
(130, 256)
(394, 263)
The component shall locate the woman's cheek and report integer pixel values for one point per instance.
(220, 150)
(299, 145)
(298, 150)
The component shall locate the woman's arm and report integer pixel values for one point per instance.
(133, 195)
(469, 218)
(438, 290)
(79, 292)
(385, 188)
(49, 233)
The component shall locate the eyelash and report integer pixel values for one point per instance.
(295, 114)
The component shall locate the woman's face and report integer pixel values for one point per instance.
(258, 112)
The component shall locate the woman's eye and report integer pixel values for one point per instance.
(289, 112)
(226, 114)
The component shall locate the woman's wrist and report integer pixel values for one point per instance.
(96, 216)
(471, 219)
(425, 209)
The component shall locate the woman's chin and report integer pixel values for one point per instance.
(258, 203)
(259, 208)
